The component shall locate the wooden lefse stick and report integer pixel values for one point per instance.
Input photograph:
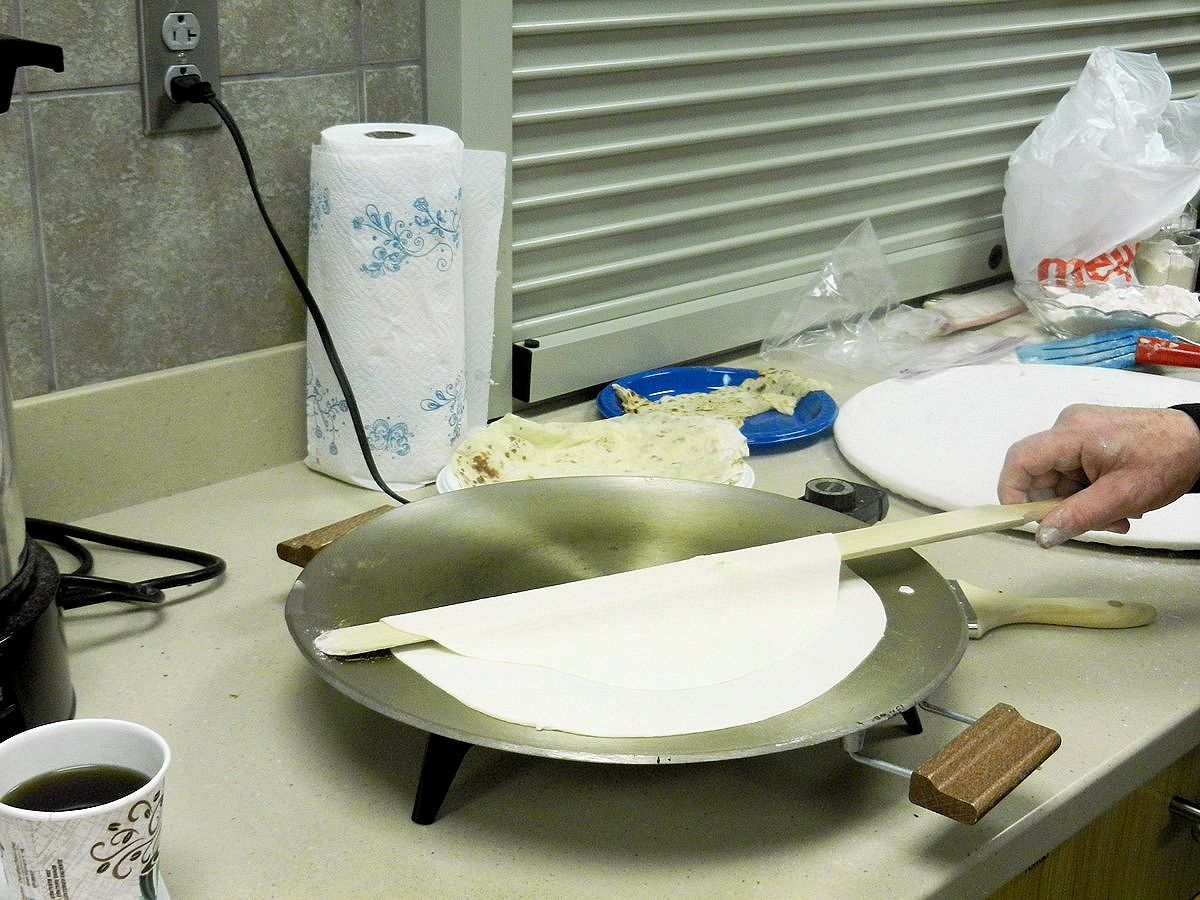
(888, 536)
(354, 640)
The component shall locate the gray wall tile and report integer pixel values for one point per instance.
(392, 30)
(269, 36)
(395, 94)
(131, 233)
(98, 37)
(124, 254)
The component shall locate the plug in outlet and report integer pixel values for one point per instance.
(177, 37)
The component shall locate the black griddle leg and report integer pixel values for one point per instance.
(440, 764)
(912, 721)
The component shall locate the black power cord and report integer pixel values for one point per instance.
(192, 89)
(81, 588)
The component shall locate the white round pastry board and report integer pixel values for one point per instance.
(940, 439)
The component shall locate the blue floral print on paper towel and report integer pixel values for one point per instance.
(451, 397)
(319, 206)
(324, 409)
(384, 437)
(433, 233)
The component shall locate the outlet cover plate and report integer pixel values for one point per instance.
(177, 33)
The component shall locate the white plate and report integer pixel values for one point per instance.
(447, 481)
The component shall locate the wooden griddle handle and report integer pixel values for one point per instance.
(978, 768)
(299, 550)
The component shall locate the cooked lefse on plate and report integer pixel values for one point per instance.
(700, 448)
(777, 389)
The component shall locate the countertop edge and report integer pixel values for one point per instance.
(205, 423)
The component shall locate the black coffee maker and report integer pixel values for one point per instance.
(35, 682)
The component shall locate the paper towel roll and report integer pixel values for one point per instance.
(403, 233)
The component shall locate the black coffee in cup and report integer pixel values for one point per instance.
(77, 787)
(81, 809)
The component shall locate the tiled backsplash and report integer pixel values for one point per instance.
(121, 253)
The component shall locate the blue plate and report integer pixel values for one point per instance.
(770, 430)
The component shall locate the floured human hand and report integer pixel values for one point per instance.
(1111, 463)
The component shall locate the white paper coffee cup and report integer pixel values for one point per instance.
(105, 852)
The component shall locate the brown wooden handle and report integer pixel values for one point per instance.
(299, 550)
(979, 767)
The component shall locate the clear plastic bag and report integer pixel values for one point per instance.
(851, 318)
(1115, 160)
(829, 320)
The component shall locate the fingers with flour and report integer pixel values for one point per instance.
(1111, 464)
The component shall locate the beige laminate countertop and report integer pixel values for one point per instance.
(282, 787)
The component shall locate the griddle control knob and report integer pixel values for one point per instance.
(862, 501)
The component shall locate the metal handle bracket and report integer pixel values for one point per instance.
(976, 769)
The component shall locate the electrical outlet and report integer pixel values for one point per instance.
(177, 37)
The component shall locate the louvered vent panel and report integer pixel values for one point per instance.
(670, 151)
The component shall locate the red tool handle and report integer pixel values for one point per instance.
(1161, 352)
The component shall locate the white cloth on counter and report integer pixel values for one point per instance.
(701, 644)
(403, 236)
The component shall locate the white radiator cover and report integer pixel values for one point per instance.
(681, 168)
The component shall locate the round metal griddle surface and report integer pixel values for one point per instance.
(515, 536)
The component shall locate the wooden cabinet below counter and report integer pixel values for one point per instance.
(1135, 851)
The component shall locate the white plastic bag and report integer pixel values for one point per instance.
(1114, 160)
